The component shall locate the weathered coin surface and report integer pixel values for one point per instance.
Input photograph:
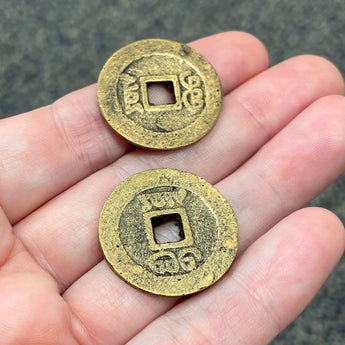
(207, 227)
(124, 101)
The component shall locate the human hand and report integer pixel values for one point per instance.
(278, 142)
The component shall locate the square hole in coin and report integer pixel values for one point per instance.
(160, 93)
(167, 228)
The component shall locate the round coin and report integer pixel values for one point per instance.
(125, 103)
(207, 227)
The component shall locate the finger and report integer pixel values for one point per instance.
(61, 144)
(6, 238)
(270, 284)
(45, 151)
(70, 221)
(257, 205)
(290, 170)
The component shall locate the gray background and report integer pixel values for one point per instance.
(49, 48)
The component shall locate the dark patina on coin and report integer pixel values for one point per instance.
(208, 231)
(124, 101)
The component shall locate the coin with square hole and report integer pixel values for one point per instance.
(168, 232)
(159, 94)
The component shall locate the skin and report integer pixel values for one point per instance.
(279, 142)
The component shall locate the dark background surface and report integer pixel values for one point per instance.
(49, 48)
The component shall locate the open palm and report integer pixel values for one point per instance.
(279, 141)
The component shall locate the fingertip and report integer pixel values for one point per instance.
(328, 72)
(334, 102)
(326, 230)
(318, 239)
(254, 41)
(329, 69)
(327, 123)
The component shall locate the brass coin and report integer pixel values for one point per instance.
(124, 102)
(208, 232)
